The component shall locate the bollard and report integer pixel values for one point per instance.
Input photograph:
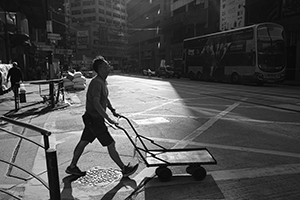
(17, 101)
(22, 93)
(53, 178)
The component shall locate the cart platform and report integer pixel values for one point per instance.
(179, 157)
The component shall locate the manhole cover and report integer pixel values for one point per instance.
(98, 176)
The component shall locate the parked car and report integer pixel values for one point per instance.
(148, 72)
(167, 71)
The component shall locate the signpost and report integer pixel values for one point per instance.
(54, 36)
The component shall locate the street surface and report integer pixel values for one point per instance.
(252, 132)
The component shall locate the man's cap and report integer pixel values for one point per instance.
(15, 64)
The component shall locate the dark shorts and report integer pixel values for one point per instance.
(94, 127)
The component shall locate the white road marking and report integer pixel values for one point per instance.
(239, 119)
(227, 147)
(148, 172)
(153, 120)
(207, 125)
(217, 175)
(153, 108)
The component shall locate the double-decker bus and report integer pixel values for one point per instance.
(254, 53)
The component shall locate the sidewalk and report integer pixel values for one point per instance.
(101, 181)
(34, 102)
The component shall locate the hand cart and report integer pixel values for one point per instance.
(161, 157)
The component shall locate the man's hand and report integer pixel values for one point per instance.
(115, 113)
(113, 122)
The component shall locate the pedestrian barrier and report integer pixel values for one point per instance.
(51, 158)
(56, 90)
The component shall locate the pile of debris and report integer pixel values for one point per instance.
(74, 81)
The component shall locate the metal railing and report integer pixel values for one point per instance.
(51, 158)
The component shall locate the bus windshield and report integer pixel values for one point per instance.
(270, 47)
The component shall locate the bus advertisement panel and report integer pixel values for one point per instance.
(251, 54)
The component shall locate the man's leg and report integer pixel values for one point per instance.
(127, 170)
(113, 153)
(78, 152)
(73, 169)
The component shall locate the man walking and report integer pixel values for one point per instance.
(94, 121)
(15, 76)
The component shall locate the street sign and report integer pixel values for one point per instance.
(49, 26)
(64, 51)
(54, 36)
(44, 47)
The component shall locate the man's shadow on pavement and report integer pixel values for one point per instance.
(66, 193)
(124, 182)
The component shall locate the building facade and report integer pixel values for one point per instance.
(97, 27)
(146, 41)
(19, 22)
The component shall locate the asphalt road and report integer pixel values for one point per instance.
(252, 132)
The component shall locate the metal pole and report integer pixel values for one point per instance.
(6, 40)
(46, 142)
(139, 51)
(53, 178)
(51, 93)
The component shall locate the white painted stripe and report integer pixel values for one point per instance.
(154, 120)
(153, 108)
(207, 125)
(240, 119)
(149, 172)
(173, 116)
(235, 148)
(197, 144)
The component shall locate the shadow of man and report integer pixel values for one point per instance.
(124, 182)
(66, 193)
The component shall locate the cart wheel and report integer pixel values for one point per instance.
(164, 174)
(190, 169)
(199, 173)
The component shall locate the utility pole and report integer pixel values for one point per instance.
(7, 39)
(49, 30)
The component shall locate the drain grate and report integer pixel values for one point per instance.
(98, 176)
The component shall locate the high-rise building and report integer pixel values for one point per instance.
(97, 27)
(146, 42)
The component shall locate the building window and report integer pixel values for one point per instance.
(102, 19)
(76, 12)
(101, 11)
(116, 15)
(87, 3)
(75, 4)
(91, 10)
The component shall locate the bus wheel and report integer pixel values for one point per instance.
(199, 76)
(235, 78)
(192, 76)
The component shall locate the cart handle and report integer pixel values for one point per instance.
(138, 135)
